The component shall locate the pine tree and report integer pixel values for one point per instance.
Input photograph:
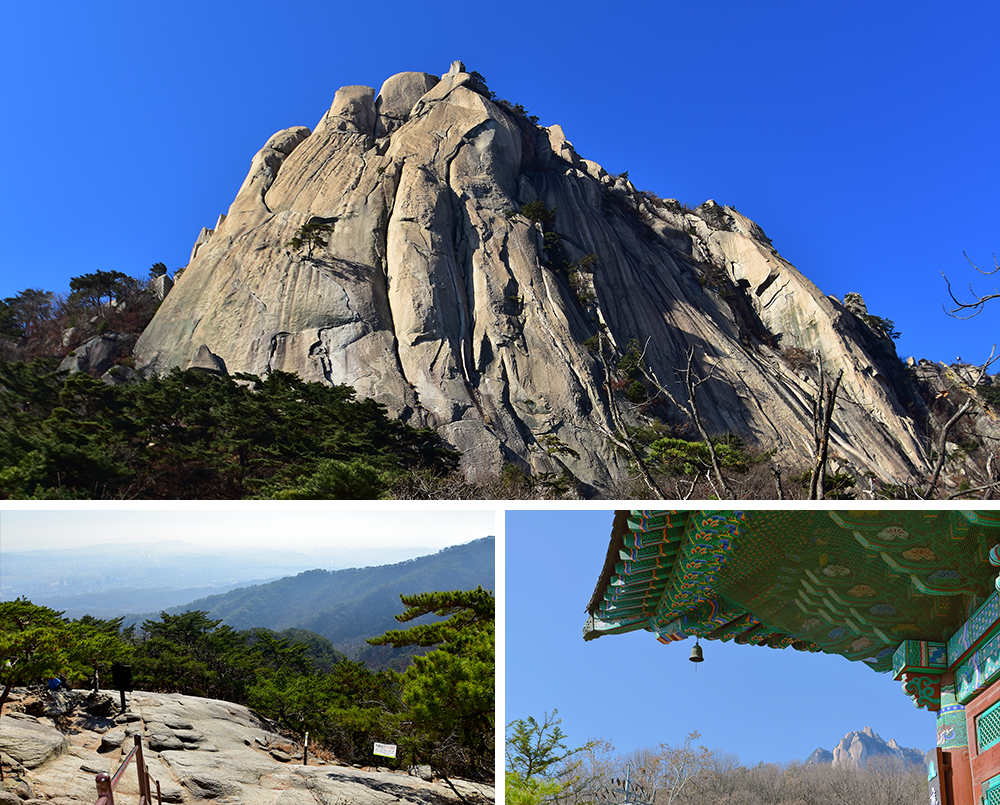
(450, 692)
(34, 644)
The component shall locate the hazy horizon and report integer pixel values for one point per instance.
(110, 562)
(357, 533)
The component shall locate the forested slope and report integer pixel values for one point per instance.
(350, 604)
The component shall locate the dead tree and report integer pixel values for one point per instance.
(620, 437)
(963, 409)
(691, 383)
(776, 471)
(822, 419)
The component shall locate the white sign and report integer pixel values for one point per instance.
(385, 750)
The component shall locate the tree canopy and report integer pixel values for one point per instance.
(100, 287)
(192, 434)
(450, 692)
(34, 643)
(439, 711)
(538, 764)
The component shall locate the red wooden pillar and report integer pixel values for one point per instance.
(957, 777)
(983, 764)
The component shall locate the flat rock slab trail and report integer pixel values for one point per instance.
(198, 749)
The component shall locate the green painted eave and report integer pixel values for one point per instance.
(854, 583)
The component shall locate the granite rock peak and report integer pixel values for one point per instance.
(437, 295)
(860, 747)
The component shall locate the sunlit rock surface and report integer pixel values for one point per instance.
(433, 295)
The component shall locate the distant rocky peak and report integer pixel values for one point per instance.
(859, 747)
(820, 755)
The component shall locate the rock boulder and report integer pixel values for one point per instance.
(97, 355)
(29, 741)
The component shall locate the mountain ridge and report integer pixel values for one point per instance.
(352, 603)
(859, 747)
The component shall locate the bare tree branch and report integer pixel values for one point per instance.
(990, 486)
(942, 449)
(977, 306)
(691, 383)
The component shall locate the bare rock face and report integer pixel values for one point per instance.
(435, 296)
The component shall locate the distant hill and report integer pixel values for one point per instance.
(321, 651)
(113, 579)
(346, 606)
(820, 755)
(112, 603)
(860, 746)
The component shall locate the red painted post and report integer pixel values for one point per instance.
(159, 799)
(104, 789)
(141, 769)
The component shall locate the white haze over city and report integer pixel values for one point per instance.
(369, 537)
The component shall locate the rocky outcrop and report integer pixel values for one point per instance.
(97, 355)
(29, 742)
(161, 285)
(435, 296)
(860, 747)
(198, 749)
(819, 755)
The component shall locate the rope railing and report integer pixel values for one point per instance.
(106, 783)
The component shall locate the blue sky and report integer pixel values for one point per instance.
(763, 704)
(860, 136)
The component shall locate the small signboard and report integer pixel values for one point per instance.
(385, 750)
(936, 795)
(121, 676)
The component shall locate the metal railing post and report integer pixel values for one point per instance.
(104, 790)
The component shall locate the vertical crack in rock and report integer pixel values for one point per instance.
(383, 238)
(459, 283)
(319, 352)
(273, 348)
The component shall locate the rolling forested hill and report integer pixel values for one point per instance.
(346, 606)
